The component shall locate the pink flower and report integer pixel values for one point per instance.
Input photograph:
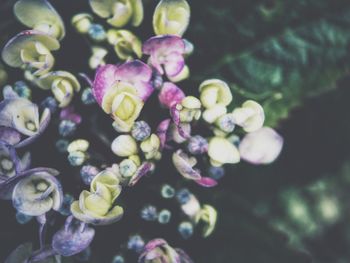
(166, 54)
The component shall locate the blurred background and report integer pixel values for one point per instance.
(293, 56)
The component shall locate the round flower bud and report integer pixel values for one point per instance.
(221, 151)
(141, 130)
(67, 128)
(82, 22)
(136, 243)
(149, 213)
(87, 97)
(214, 91)
(118, 259)
(216, 172)
(22, 89)
(62, 145)
(97, 32)
(124, 146)
(77, 158)
(50, 103)
(167, 191)
(164, 216)
(250, 116)
(88, 173)
(185, 229)
(226, 123)
(127, 168)
(197, 145)
(171, 17)
(183, 196)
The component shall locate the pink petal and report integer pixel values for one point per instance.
(174, 64)
(162, 131)
(164, 44)
(207, 182)
(170, 94)
(104, 78)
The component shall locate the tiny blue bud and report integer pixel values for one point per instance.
(216, 172)
(84, 256)
(197, 145)
(87, 97)
(234, 139)
(87, 173)
(136, 243)
(67, 128)
(141, 130)
(118, 259)
(157, 80)
(22, 89)
(97, 32)
(167, 191)
(149, 213)
(22, 218)
(226, 123)
(49, 103)
(62, 145)
(65, 208)
(76, 158)
(183, 196)
(185, 229)
(164, 216)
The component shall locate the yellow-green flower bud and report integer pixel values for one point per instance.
(62, 83)
(250, 116)
(126, 44)
(221, 151)
(127, 168)
(150, 147)
(212, 114)
(124, 146)
(171, 17)
(78, 145)
(81, 22)
(97, 57)
(190, 109)
(214, 91)
(119, 12)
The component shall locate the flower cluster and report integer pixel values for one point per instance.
(201, 132)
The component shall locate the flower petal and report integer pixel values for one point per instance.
(261, 147)
(184, 165)
(170, 94)
(33, 13)
(207, 182)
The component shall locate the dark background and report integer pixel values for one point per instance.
(256, 221)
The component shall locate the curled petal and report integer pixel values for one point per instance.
(9, 135)
(170, 94)
(208, 215)
(110, 180)
(162, 131)
(73, 238)
(207, 182)
(40, 15)
(184, 165)
(261, 147)
(192, 207)
(126, 44)
(214, 91)
(144, 169)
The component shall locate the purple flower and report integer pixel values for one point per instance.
(121, 91)
(158, 250)
(170, 95)
(166, 54)
(68, 113)
(73, 238)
